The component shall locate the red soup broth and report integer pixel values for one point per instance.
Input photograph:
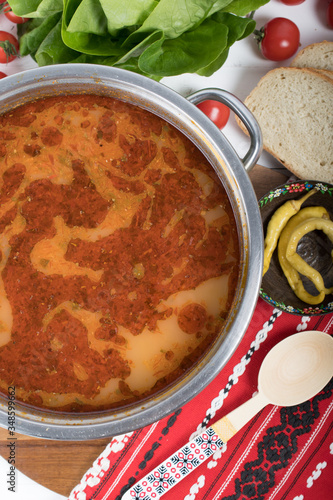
(119, 253)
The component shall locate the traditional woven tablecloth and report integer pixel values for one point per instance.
(282, 454)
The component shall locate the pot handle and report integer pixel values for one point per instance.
(243, 113)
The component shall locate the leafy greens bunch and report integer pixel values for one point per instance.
(156, 38)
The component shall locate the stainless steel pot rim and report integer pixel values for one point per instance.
(184, 115)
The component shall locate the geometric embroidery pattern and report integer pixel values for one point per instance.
(277, 448)
(177, 466)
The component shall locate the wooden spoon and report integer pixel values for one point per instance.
(295, 370)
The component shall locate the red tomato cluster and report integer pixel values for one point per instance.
(9, 46)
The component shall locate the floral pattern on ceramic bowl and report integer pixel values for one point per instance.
(315, 248)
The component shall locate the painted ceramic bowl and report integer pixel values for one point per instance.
(315, 248)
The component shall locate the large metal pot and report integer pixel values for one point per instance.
(184, 115)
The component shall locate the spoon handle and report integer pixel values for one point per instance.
(170, 472)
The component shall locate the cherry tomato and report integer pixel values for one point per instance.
(292, 2)
(9, 47)
(219, 113)
(13, 17)
(330, 14)
(278, 39)
(2, 75)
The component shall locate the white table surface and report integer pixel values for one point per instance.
(241, 72)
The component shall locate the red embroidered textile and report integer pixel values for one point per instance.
(282, 454)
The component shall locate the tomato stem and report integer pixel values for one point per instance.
(8, 49)
(250, 14)
(259, 34)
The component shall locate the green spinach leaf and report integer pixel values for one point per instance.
(187, 53)
(238, 28)
(85, 41)
(214, 65)
(126, 13)
(35, 8)
(35, 31)
(87, 16)
(174, 17)
(53, 50)
(243, 7)
(156, 38)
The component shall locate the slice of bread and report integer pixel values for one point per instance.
(294, 110)
(317, 55)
